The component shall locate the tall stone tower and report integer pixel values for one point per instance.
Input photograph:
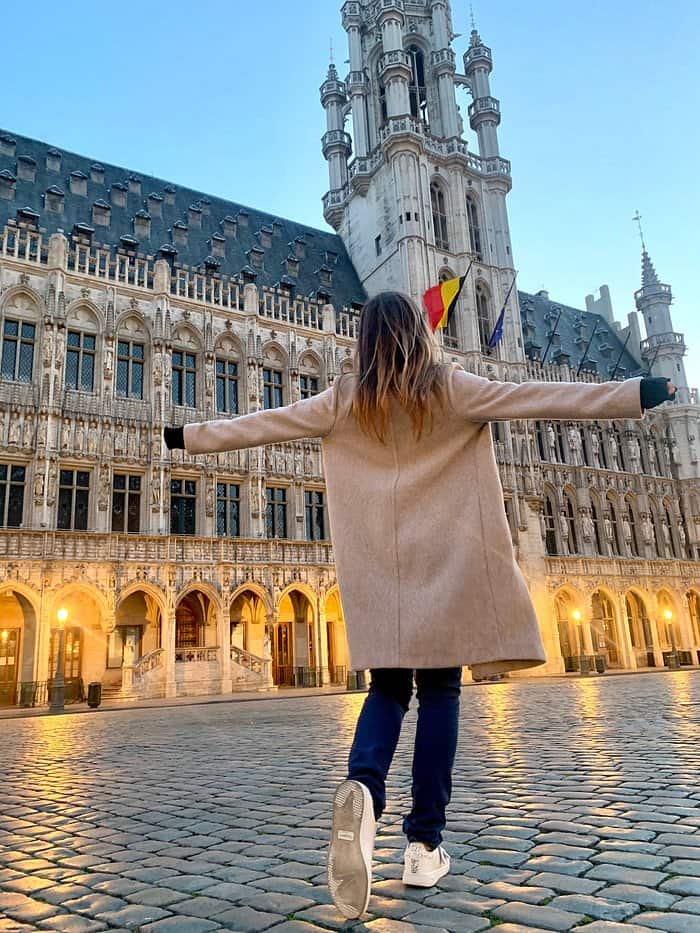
(412, 203)
(663, 349)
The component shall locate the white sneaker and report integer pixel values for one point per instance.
(350, 851)
(423, 868)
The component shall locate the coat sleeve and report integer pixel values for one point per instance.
(477, 399)
(311, 417)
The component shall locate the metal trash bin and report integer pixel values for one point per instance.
(361, 680)
(352, 680)
(94, 697)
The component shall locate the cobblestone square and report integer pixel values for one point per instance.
(575, 805)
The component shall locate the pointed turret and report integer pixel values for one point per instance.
(664, 349)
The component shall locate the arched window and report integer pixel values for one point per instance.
(617, 540)
(132, 345)
(474, 227)
(437, 200)
(483, 315)
(417, 87)
(571, 524)
(550, 537)
(450, 333)
(598, 529)
(19, 335)
(634, 541)
(381, 94)
(672, 530)
(640, 630)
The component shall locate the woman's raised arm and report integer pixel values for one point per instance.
(479, 399)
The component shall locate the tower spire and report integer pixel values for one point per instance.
(638, 220)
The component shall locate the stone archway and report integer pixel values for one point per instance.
(247, 616)
(336, 639)
(604, 629)
(137, 632)
(641, 630)
(84, 654)
(18, 644)
(295, 651)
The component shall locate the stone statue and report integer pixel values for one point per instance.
(103, 495)
(588, 526)
(626, 529)
(42, 432)
(267, 644)
(279, 462)
(92, 438)
(210, 498)
(60, 353)
(692, 450)
(309, 463)
(564, 530)
(575, 445)
(595, 447)
(53, 481)
(682, 537)
(155, 491)
(48, 350)
(543, 524)
(210, 383)
(298, 461)
(28, 440)
(14, 438)
(653, 465)
(79, 437)
(635, 455)
(552, 442)
(108, 362)
(106, 441)
(666, 535)
(65, 434)
(647, 529)
(143, 444)
(157, 370)
(39, 486)
(614, 451)
(119, 439)
(608, 527)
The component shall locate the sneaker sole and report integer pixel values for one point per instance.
(427, 880)
(350, 851)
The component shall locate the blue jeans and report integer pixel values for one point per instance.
(377, 734)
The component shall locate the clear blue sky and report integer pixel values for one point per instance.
(599, 103)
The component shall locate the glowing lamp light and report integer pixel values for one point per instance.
(62, 615)
(576, 615)
(667, 613)
(4, 634)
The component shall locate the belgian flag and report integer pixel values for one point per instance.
(440, 301)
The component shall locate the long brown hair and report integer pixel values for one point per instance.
(396, 355)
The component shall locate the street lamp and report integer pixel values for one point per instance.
(583, 665)
(673, 657)
(58, 685)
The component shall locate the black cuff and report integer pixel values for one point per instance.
(654, 391)
(174, 437)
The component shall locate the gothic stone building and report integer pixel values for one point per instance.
(127, 303)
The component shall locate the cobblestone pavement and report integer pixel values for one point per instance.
(576, 804)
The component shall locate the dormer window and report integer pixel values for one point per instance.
(26, 168)
(211, 265)
(134, 184)
(249, 275)
(155, 204)
(286, 285)
(167, 252)
(142, 225)
(97, 173)
(218, 244)
(101, 213)
(169, 195)
(276, 228)
(180, 233)
(83, 232)
(128, 243)
(118, 194)
(228, 225)
(331, 257)
(8, 185)
(243, 218)
(325, 275)
(55, 197)
(265, 235)
(292, 266)
(28, 217)
(256, 257)
(53, 160)
(299, 247)
(194, 217)
(78, 183)
(8, 144)
(205, 204)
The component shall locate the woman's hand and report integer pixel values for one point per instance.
(655, 390)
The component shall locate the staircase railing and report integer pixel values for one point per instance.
(148, 662)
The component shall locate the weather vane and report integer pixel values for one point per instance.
(332, 62)
(638, 220)
(471, 11)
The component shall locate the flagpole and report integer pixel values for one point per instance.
(587, 349)
(502, 312)
(629, 334)
(551, 338)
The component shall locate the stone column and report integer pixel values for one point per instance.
(629, 657)
(224, 629)
(169, 648)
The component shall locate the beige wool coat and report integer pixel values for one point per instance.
(424, 558)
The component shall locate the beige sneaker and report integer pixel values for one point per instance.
(423, 868)
(350, 851)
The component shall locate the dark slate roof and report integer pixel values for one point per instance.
(278, 238)
(539, 315)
